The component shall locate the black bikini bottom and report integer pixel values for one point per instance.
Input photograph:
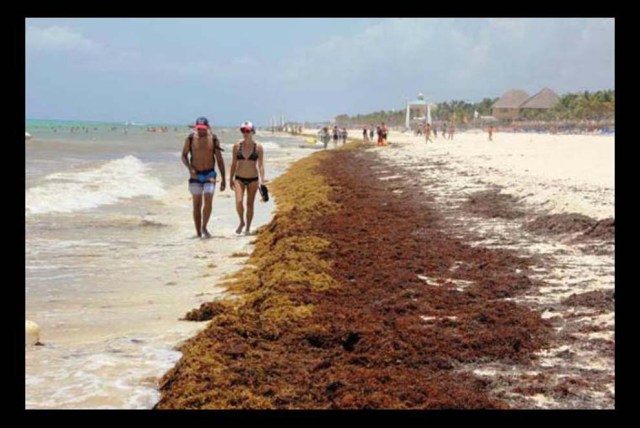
(246, 181)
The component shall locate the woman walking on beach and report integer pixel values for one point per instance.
(247, 172)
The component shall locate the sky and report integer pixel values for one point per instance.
(172, 70)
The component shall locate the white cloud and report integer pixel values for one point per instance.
(476, 59)
(342, 60)
(451, 59)
(56, 38)
(512, 27)
(405, 53)
(212, 71)
(353, 71)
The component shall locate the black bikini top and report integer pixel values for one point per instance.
(253, 156)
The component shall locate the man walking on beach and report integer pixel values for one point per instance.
(490, 132)
(204, 149)
(324, 136)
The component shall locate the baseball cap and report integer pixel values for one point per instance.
(202, 123)
(247, 125)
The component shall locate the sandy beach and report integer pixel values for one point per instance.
(484, 265)
(547, 177)
(475, 270)
(558, 173)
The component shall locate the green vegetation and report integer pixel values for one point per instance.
(585, 105)
(460, 111)
(599, 105)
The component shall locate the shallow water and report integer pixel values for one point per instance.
(112, 262)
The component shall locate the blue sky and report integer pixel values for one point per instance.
(231, 70)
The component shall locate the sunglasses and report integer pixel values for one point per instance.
(246, 131)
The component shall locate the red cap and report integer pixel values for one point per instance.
(202, 123)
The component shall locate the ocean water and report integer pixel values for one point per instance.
(112, 261)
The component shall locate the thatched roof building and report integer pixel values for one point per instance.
(511, 99)
(510, 105)
(544, 99)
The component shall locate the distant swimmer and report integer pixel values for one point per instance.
(365, 136)
(247, 173)
(204, 149)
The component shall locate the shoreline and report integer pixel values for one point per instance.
(143, 271)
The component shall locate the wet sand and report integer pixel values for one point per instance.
(126, 274)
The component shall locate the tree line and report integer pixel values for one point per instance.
(599, 105)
